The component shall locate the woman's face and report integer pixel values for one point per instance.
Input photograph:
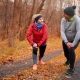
(40, 20)
(66, 16)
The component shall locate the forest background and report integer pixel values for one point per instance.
(16, 16)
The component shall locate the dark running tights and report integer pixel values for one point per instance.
(69, 54)
(41, 53)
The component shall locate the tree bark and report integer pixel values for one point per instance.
(23, 30)
(40, 7)
(5, 27)
(12, 29)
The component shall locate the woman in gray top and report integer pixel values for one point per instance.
(70, 32)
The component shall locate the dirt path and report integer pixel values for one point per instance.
(13, 68)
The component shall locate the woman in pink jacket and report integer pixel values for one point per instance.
(37, 35)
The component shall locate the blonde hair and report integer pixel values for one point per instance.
(34, 16)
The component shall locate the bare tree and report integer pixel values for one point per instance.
(12, 29)
(23, 30)
(15, 17)
(5, 27)
(40, 7)
(31, 13)
(26, 11)
(20, 22)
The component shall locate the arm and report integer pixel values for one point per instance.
(28, 35)
(63, 31)
(77, 37)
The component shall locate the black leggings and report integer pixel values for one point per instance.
(41, 53)
(69, 54)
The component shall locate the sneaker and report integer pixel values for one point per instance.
(41, 62)
(67, 63)
(35, 67)
(70, 72)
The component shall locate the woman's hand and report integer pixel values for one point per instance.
(35, 45)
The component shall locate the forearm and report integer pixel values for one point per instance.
(77, 38)
(64, 37)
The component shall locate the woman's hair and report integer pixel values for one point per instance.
(35, 17)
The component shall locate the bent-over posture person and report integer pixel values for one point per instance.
(37, 35)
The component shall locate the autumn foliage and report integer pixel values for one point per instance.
(53, 69)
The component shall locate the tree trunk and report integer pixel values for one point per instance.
(23, 30)
(5, 28)
(31, 14)
(11, 30)
(40, 7)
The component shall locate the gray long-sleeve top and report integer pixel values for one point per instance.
(70, 31)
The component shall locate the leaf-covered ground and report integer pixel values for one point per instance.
(52, 70)
(22, 50)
